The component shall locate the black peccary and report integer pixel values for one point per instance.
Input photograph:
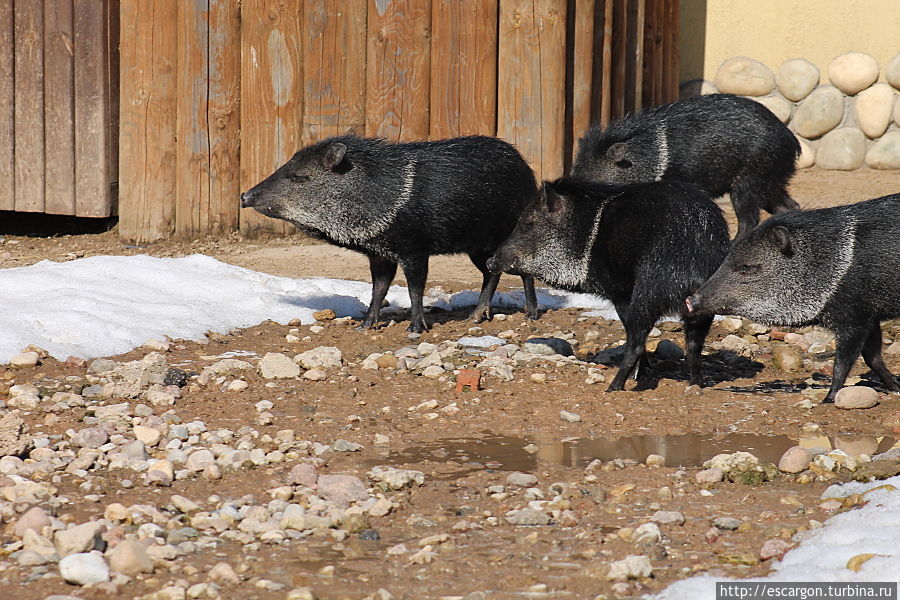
(403, 202)
(720, 143)
(835, 267)
(644, 246)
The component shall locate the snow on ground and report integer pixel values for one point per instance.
(107, 305)
(822, 556)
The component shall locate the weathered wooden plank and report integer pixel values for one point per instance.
(606, 75)
(619, 58)
(334, 64)
(59, 107)
(93, 177)
(463, 68)
(147, 119)
(582, 69)
(29, 106)
(192, 127)
(112, 42)
(634, 65)
(398, 69)
(531, 81)
(271, 95)
(672, 57)
(7, 109)
(224, 116)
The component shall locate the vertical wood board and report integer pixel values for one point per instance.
(29, 106)
(7, 109)
(59, 107)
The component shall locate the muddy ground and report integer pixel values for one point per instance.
(466, 441)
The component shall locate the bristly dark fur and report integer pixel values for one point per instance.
(836, 267)
(720, 143)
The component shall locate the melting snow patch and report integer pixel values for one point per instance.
(823, 554)
(107, 305)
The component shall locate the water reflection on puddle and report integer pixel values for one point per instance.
(508, 453)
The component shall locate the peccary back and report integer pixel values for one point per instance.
(720, 143)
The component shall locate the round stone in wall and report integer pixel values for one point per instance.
(885, 152)
(843, 149)
(745, 77)
(796, 79)
(897, 112)
(873, 109)
(807, 157)
(853, 72)
(777, 105)
(819, 113)
(892, 72)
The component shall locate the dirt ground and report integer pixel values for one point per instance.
(507, 426)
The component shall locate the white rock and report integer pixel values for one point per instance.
(148, 435)
(238, 385)
(873, 109)
(807, 157)
(275, 365)
(856, 396)
(159, 398)
(433, 372)
(885, 152)
(818, 113)
(892, 72)
(796, 79)
(778, 106)
(853, 72)
(79, 539)
(842, 149)
(200, 460)
(24, 360)
(745, 77)
(569, 416)
(897, 113)
(130, 557)
(323, 357)
(315, 375)
(630, 567)
(647, 533)
(84, 568)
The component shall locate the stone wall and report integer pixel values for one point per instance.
(852, 122)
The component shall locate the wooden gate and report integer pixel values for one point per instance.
(215, 94)
(58, 101)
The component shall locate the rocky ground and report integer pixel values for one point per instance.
(288, 461)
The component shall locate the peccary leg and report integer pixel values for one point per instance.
(848, 348)
(531, 307)
(636, 331)
(695, 332)
(416, 271)
(383, 272)
(871, 352)
(489, 283)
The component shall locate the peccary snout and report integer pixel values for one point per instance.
(247, 199)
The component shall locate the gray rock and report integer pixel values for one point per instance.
(528, 517)
(521, 479)
(630, 567)
(794, 460)
(745, 77)
(322, 357)
(843, 149)
(669, 349)
(79, 539)
(101, 365)
(84, 568)
(346, 446)
(892, 72)
(548, 346)
(856, 396)
(303, 474)
(131, 378)
(666, 517)
(130, 557)
(275, 365)
(711, 475)
(820, 112)
(778, 106)
(796, 79)
(853, 72)
(646, 533)
(873, 108)
(226, 366)
(726, 523)
(885, 152)
(342, 489)
(396, 479)
(13, 441)
(200, 460)
(569, 417)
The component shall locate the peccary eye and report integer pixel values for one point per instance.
(527, 226)
(749, 269)
(624, 163)
(298, 178)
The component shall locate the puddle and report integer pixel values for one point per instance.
(506, 453)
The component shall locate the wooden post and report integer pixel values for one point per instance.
(582, 70)
(7, 109)
(93, 177)
(334, 64)
(59, 107)
(271, 96)
(147, 119)
(531, 81)
(463, 68)
(29, 106)
(619, 58)
(606, 81)
(398, 69)
(672, 59)
(635, 66)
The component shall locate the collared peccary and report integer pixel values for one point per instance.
(720, 143)
(403, 202)
(644, 246)
(835, 267)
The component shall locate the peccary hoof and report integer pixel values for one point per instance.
(480, 314)
(417, 327)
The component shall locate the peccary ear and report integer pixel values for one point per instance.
(553, 201)
(781, 237)
(334, 155)
(616, 152)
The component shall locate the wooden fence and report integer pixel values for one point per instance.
(58, 106)
(216, 94)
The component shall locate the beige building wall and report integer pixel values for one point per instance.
(773, 31)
